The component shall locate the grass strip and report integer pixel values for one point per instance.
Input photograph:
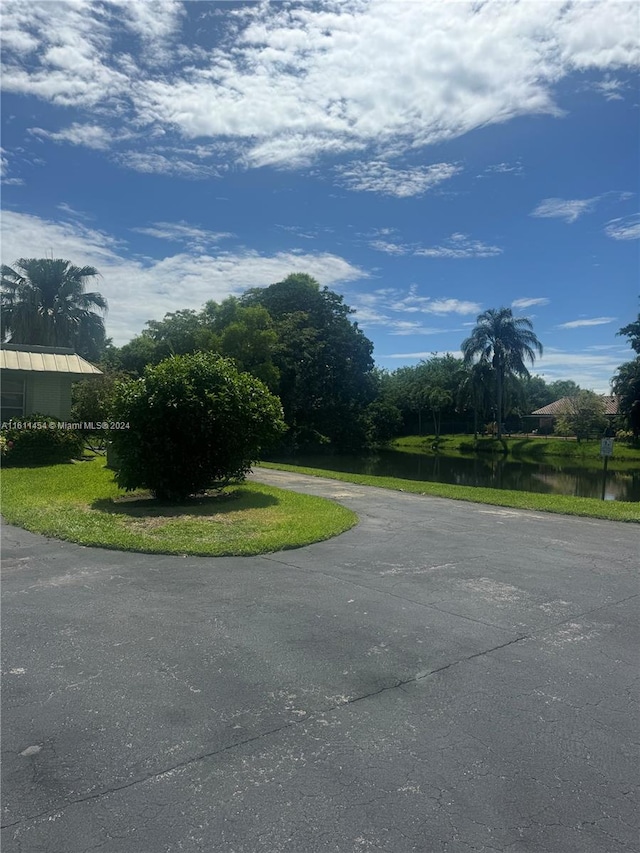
(81, 503)
(565, 504)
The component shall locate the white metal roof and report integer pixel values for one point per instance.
(45, 360)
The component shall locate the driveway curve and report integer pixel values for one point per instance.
(445, 676)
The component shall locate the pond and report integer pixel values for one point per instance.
(563, 478)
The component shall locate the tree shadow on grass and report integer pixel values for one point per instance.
(220, 503)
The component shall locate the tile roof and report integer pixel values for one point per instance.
(45, 360)
(559, 406)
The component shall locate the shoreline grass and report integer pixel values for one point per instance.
(538, 449)
(81, 503)
(564, 504)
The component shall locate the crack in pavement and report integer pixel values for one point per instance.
(387, 592)
(351, 582)
(314, 714)
(399, 684)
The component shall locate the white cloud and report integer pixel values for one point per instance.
(567, 209)
(599, 35)
(89, 135)
(153, 23)
(460, 246)
(60, 52)
(412, 302)
(405, 327)
(290, 83)
(366, 316)
(504, 169)
(5, 176)
(589, 370)
(627, 228)
(378, 177)
(389, 306)
(181, 232)
(421, 355)
(71, 211)
(609, 88)
(456, 246)
(297, 231)
(453, 306)
(623, 351)
(389, 248)
(594, 321)
(528, 302)
(158, 164)
(141, 289)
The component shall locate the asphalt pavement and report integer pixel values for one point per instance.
(445, 676)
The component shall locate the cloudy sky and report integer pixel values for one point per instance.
(427, 160)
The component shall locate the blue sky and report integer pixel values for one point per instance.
(425, 160)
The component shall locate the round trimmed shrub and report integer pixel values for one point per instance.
(191, 423)
(38, 440)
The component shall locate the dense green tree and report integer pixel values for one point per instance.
(178, 333)
(505, 342)
(195, 423)
(632, 331)
(92, 402)
(626, 386)
(563, 388)
(295, 336)
(44, 302)
(429, 388)
(536, 393)
(401, 390)
(132, 358)
(438, 381)
(383, 422)
(247, 335)
(437, 400)
(324, 360)
(626, 382)
(244, 334)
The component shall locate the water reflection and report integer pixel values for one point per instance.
(489, 471)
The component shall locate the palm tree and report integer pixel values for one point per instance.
(44, 302)
(504, 341)
(474, 391)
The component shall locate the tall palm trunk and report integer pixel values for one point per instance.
(499, 393)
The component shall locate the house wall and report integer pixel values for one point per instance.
(46, 393)
(50, 394)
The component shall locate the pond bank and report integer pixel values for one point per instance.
(526, 447)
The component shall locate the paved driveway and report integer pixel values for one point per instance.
(444, 677)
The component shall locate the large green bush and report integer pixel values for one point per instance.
(38, 440)
(191, 423)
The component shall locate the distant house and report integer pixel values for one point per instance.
(36, 379)
(547, 415)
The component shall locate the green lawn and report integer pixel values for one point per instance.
(591, 507)
(81, 503)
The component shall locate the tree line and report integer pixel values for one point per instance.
(300, 340)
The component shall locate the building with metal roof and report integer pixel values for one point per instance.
(559, 406)
(37, 379)
(544, 419)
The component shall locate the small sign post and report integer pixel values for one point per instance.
(606, 450)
